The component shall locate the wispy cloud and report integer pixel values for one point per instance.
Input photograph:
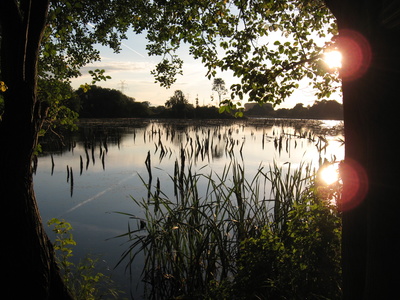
(119, 66)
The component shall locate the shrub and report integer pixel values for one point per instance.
(82, 280)
(302, 262)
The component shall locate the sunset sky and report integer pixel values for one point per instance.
(130, 72)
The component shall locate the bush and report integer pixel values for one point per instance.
(82, 280)
(302, 262)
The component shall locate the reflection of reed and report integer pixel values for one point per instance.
(52, 164)
(70, 179)
(81, 164)
(102, 160)
(148, 166)
(197, 141)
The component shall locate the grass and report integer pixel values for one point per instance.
(196, 242)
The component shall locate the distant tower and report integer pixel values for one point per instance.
(122, 85)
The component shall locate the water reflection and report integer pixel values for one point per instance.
(95, 170)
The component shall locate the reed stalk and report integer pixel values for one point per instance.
(191, 240)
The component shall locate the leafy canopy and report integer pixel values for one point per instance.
(73, 30)
(270, 45)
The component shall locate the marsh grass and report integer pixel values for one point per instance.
(192, 241)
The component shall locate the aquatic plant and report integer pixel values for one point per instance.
(197, 242)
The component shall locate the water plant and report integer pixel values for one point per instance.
(205, 240)
(83, 280)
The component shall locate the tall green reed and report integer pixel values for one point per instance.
(191, 240)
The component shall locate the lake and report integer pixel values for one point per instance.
(93, 175)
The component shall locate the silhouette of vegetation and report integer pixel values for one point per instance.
(324, 109)
(219, 87)
(100, 102)
(55, 41)
(178, 105)
(224, 242)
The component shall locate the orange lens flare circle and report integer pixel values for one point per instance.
(356, 54)
(355, 184)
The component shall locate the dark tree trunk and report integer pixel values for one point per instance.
(28, 262)
(371, 201)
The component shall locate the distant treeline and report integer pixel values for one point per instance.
(324, 109)
(100, 102)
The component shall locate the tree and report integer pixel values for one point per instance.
(41, 40)
(236, 35)
(178, 104)
(367, 39)
(219, 87)
(242, 36)
(100, 102)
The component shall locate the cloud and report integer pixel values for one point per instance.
(119, 66)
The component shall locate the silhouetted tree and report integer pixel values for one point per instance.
(219, 87)
(298, 111)
(328, 110)
(264, 110)
(41, 39)
(100, 102)
(178, 105)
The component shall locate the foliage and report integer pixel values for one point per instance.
(99, 102)
(82, 280)
(219, 87)
(72, 31)
(3, 86)
(229, 107)
(227, 241)
(269, 45)
(75, 28)
(60, 104)
(324, 109)
(178, 105)
(178, 99)
(303, 262)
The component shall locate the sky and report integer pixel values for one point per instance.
(130, 73)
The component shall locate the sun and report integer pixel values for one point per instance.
(329, 174)
(333, 59)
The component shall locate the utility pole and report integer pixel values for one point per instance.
(122, 85)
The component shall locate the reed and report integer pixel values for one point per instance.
(191, 240)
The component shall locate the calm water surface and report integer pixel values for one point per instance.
(105, 160)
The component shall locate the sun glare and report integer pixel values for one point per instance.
(329, 174)
(333, 59)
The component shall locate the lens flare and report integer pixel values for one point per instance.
(355, 184)
(356, 52)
